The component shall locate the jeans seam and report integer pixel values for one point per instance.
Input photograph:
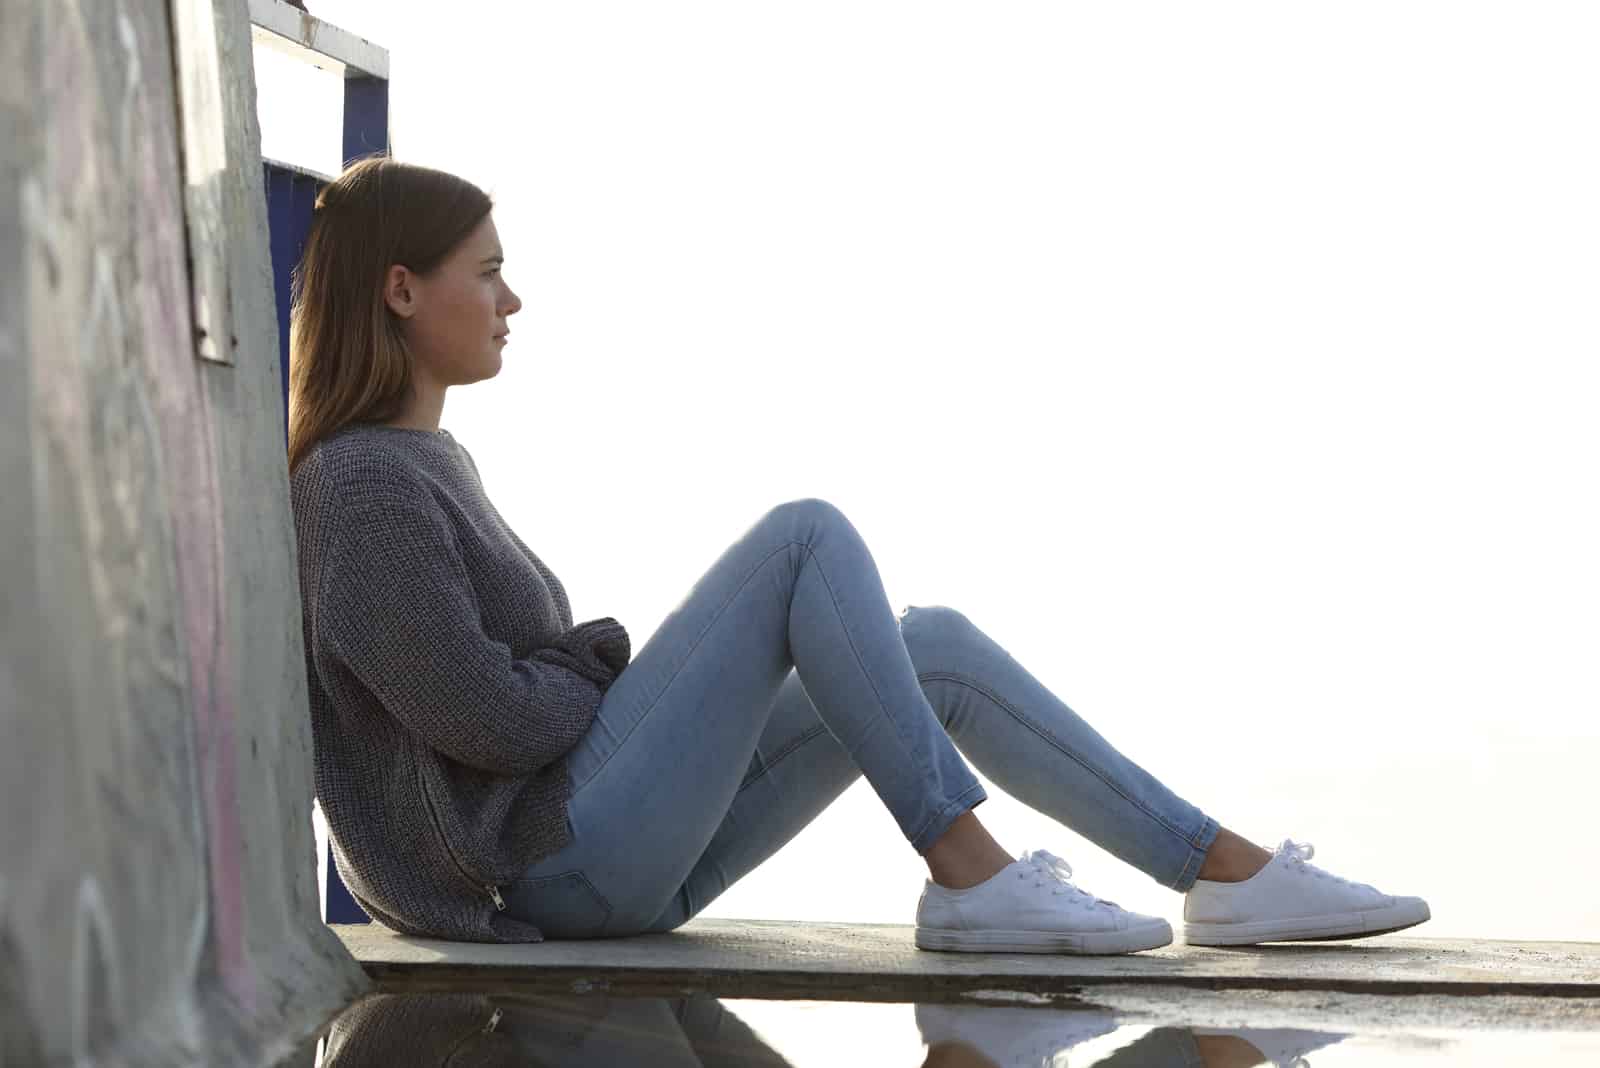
(925, 772)
(794, 745)
(1054, 741)
(1196, 857)
(686, 656)
(522, 884)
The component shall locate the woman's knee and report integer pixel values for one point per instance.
(805, 510)
(935, 623)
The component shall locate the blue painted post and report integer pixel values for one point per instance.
(291, 196)
(291, 199)
(342, 908)
(366, 132)
(366, 117)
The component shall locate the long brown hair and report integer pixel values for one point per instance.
(348, 360)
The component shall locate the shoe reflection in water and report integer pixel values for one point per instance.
(591, 1031)
(981, 1036)
(479, 1031)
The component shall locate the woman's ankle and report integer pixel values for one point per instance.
(965, 855)
(1232, 859)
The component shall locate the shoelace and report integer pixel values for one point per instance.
(1047, 867)
(1300, 853)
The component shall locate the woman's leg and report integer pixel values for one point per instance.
(1028, 741)
(655, 776)
(1013, 729)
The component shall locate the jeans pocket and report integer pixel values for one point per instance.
(561, 906)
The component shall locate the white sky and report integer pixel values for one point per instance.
(1232, 366)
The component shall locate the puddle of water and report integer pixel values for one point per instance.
(608, 1031)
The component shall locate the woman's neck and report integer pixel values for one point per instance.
(423, 413)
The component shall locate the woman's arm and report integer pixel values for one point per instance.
(397, 610)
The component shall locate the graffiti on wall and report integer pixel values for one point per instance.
(128, 518)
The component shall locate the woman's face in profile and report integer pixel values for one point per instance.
(457, 323)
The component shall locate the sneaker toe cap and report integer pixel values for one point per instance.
(1127, 921)
(1415, 906)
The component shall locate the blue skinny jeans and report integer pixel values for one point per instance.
(782, 677)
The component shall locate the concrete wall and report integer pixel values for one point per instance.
(157, 895)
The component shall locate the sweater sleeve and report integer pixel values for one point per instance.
(397, 609)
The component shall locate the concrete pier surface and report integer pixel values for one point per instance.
(1385, 981)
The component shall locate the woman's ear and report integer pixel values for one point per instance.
(399, 291)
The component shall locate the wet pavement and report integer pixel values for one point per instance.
(818, 995)
(388, 1030)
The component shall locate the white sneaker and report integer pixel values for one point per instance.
(1010, 1036)
(1282, 1046)
(1029, 906)
(1290, 900)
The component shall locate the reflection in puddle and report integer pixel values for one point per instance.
(386, 1030)
(1034, 1036)
(486, 1031)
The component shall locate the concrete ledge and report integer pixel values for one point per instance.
(826, 961)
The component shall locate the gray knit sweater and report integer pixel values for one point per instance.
(447, 681)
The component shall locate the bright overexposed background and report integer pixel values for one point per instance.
(1234, 366)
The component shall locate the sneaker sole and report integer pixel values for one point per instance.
(1406, 912)
(1144, 936)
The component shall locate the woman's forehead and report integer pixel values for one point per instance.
(483, 243)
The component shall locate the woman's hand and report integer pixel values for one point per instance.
(598, 649)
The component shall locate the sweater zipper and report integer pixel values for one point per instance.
(494, 891)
